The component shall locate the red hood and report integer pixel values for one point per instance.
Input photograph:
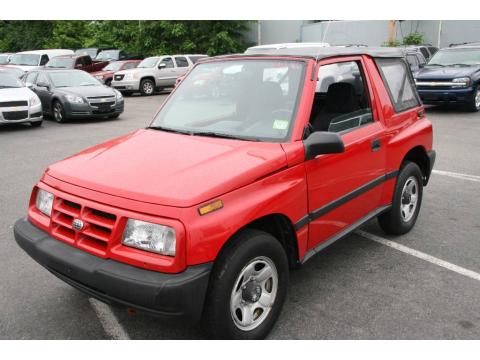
(102, 73)
(169, 169)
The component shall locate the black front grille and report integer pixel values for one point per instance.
(15, 115)
(119, 77)
(103, 104)
(34, 115)
(13, 103)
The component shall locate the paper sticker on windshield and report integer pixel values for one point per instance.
(280, 124)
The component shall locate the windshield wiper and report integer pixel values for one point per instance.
(459, 65)
(223, 136)
(155, 127)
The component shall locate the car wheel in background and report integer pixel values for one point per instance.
(247, 287)
(58, 112)
(407, 200)
(36, 123)
(474, 105)
(147, 87)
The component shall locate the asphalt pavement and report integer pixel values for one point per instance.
(355, 289)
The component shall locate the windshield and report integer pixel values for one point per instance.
(148, 62)
(455, 57)
(64, 63)
(4, 59)
(8, 80)
(113, 66)
(72, 78)
(244, 99)
(92, 52)
(25, 59)
(107, 55)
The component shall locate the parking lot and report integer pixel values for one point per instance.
(357, 288)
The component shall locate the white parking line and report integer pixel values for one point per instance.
(474, 178)
(431, 259)
(108, 320)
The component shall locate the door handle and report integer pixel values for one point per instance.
(376, 145)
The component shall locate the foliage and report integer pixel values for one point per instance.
(140, 37)
(392, 43)
(414, 38)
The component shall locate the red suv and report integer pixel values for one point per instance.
(254, 164)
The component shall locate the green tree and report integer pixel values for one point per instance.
(69, 34)
(20, 35)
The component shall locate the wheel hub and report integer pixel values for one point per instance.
(407, 198)
(251, 292)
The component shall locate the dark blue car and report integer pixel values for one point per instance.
(452, 76)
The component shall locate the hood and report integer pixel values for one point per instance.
(136, 70)
(170, 169)
(446, 72)
(86, 91)
(101, 73)
(16, 94)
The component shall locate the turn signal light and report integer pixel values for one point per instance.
(205, 209)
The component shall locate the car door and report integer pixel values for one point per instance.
(166, 75)
(44, 92)
(345, 188)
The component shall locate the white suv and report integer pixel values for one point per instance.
(154, 73)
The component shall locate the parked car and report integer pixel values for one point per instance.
(5, 58)
(31, 60)
(259, 49)
(74, 94)
(92, 52)
(154, 73)
(427, 50)
(14, 71)
(106, 74)
(79, 62)
(205, 211)
(415, 59)
(452, 76)
(18, 104)
(115, 55)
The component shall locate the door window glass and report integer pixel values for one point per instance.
(181, 61)
(168, 62)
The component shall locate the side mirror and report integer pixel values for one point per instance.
(43, 85)
(421, 66)
(162, 66)
(322, 142)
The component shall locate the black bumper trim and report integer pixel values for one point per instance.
(432, 155)
(179, 295)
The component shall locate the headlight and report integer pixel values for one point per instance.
(34, 100)
(150, 237)
(118, 94)
(74, 99)
(44, 202)
(461, 82)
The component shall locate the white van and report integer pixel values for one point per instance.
(32, 60)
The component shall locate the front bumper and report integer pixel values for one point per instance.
(34, 114)
(166, 295)
(446, 96)
(126, 85)
(85, 110)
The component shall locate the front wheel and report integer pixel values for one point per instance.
(248, 287)
(147, 87)
(474, 105)
(407, 200)
(58, 112)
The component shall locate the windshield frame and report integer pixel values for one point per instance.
(158, 59)
(452, 50)
(295, 109)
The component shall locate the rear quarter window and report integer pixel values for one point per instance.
(399, 83)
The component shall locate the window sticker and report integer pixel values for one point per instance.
(280, 124)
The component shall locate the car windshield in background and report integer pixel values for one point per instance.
(107, 55)
(13, 71)
(455, 57)
(113, 66)
(64, 63)
(8, 80)
(25, 59)
(91, 52)
(72, 78)
(248, 100)
(4, 59)
(148, 62)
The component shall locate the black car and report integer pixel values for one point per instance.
(452, 76)
(427, 50)
(415, 59)
(68, 94)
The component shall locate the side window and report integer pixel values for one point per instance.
(168, 62)
(342, 101)
(30, 78)
(433, 50)
(79, 62)
(44, 59)
(87, 61)
(122, 55)
(424, 52)
(399, 84)
(129, 65)
(181, 61)
(42, 78)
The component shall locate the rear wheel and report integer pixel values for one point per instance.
(58, 112)
(248, 287)
(474, 105)
(147, 87)
(407, 200)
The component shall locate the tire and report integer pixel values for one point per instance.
(147, 87)
(249, 252)
(58, 112)
(402, 216)
(474, 105)
(36, 123)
